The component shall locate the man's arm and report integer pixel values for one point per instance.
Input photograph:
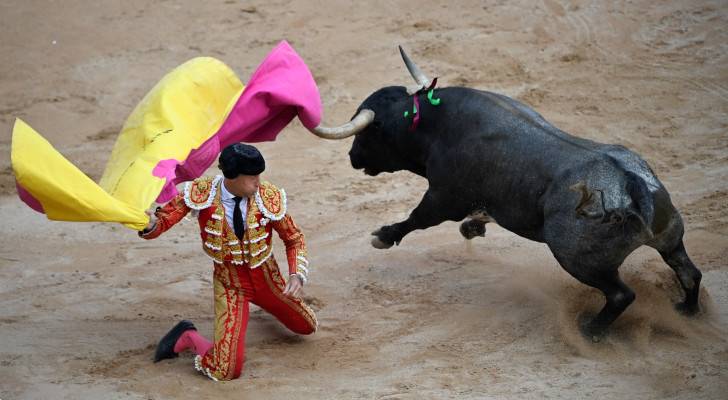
(295, 253)
(165, 217)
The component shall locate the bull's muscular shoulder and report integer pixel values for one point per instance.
(271, 201)
(200, 193)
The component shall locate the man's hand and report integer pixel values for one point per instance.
(293, 287)
(152, 220)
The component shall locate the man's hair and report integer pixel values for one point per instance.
(240, 159)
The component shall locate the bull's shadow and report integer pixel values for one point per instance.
(489, 158)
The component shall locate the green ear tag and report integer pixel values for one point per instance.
(414, 111)
(434, 102)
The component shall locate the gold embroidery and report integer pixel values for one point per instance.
(271, 202)
(234, 251)
(218, 360)
(237, 298)
(252, 212)
(213, 245)
(271, 198)
(198, 193)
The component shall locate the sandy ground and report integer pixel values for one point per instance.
(82, 305)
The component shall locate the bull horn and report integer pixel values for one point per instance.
(356, 125)
(416, 73)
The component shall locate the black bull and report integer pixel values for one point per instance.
(488, 157)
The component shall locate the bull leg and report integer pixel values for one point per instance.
(688, 275)
(670, 246)
(475, 225)
(618, 295)
(435, 208)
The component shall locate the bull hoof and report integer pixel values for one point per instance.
(589, 331)
(379, 244)
(688, 310)
(596, 338)
(383, 238)
(472, 228)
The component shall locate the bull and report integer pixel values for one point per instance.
(489, 158)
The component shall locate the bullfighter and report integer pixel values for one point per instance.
(237, 213)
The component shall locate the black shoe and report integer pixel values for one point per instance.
(165, 348)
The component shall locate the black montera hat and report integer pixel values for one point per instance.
(240, 159)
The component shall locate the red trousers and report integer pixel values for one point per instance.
(235, 287)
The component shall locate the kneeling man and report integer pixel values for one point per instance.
(237, 214)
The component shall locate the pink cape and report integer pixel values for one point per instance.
(281, 88)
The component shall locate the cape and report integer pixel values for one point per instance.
(173, 135)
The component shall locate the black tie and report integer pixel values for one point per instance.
(238, 219)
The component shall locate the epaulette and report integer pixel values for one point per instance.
(271, 201)
(200, 193)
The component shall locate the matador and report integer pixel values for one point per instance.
(237, 214)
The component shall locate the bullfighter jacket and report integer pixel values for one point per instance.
(266, 211)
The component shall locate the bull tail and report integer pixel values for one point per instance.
(642, 211)
(643, 206)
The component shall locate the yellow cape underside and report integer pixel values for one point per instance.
(179, 114)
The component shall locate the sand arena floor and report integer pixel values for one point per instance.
(82, 305)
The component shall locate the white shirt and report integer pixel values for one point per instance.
(229, 204)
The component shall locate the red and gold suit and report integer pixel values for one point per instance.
(243, 272)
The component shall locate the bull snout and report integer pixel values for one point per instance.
(356, 159)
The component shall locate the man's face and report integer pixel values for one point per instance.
(243, 185)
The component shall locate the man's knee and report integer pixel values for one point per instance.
(302, 326)
(305, 330)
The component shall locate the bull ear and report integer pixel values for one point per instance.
(356, 125)
(422, 80)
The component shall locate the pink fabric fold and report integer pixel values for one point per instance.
(281, 88)
(28, 198)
